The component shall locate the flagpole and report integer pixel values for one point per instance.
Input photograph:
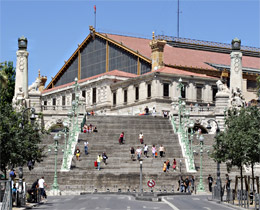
(95, 12)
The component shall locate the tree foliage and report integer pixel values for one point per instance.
(7, 79)
(19, 138)
(239, 143)
(258, 86)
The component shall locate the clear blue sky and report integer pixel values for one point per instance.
(55, 27)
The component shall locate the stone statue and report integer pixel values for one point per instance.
(35, 85)
(222, 87)
(237, 98)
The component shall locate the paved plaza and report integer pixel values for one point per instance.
(120, 202)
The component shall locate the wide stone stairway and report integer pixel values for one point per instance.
(120, 171)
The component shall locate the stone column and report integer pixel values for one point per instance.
(21, 79)
(236, 79)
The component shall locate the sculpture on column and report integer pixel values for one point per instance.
(237, 98)
(222, 88)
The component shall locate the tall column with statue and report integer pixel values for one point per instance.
(21, 81)
(236, 66)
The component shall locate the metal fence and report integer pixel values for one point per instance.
(257, 201)
(6, 194)
(243, 198)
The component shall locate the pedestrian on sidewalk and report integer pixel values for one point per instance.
(30, 165)
(153, 151)
(138, 153)
(14, 192)
(146, 110)
(141, 138)
(168, 165)
(99, 159)
(121, 138)
(210, 182)
(42, 185)
(161, 150)
(132, 152)
(174, 164)
(145, 150)
(187, 184)
(192, 184)
(77, 153)
(12, 174)
(227, 182)
(181, 184)
(104, 156)
(164, 166)
(86, 147)
(154, 112)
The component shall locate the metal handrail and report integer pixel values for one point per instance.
(7, 200)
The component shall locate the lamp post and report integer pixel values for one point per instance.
(55, 186)
(141, 177)
(201, 185)
(219, 194)
(65, 155)
(21, 198)
(180, 87)
(70, 138)
(191, 157)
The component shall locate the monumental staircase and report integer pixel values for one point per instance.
(121, 172)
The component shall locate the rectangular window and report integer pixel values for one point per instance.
(125, 96)
(199, 93)
(54, 101)
(114, 98)
(214, 92)
(251, 85)
(94, 95)
(183, 92)
(166, 89)
(73, 97)
(136, 93)
(84, 94)
(149, 91)
(45, 105)
(63, 100)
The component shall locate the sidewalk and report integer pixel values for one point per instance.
(29, 205)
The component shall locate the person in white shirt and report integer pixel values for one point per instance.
(141, 138)
(138, 153)
(86, 147)
(161, 150)
(145, 150)
(42, 184)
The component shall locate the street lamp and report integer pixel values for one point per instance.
(141, 177)
(21, 198)
(191, 157)
(65, 155)
(55, 186)
(219, 190)
(201, 185)
(180, 87)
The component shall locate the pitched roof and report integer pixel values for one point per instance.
(169, 70)
(183, 56)
(111, 73)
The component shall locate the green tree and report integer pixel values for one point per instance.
(258, 86)
(7, 79)
(238, 144)
(18, 144)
